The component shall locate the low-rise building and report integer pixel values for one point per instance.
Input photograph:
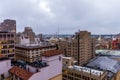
(32, 52)
(5, 65)
(83, 73)
(29, 32)
(17, 73)
(22, 39)
(48, 68)
(99, 68)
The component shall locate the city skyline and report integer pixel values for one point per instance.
(45, 16)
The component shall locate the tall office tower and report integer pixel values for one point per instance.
(8, 25)
(81, 47)
(18, 36)
(40, 36)
(7, 38)
(29, 32)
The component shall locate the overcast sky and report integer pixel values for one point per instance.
(65, 16)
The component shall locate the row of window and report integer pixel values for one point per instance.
(6, 46)
(76, 77)
(6, 35)
(7, 42)
(7, 51)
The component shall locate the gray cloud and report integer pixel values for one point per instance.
(46, 16)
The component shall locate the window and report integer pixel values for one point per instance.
(59, 58)
(2, 76)
(66, 62)
(37, 70)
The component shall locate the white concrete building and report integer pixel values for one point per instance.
(5, 65)
(24, 40)
(49, 67)
(53, 69)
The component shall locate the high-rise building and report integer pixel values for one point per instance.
(80, 47)
(29, 32)
(18, 35)
(40, 36)
(7, 47)
(8, 25)
(7, 38)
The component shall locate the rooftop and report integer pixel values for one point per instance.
(23, 74)
(67, 57)
(33, 46)
(5, 32)
(38, 64)
(51, 53)
(105, 63)
(111, 53)
(87, 70)
(2, 57)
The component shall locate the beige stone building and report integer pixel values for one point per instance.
(58, 77)
(31, 52)
(49, 68)
(7, 38)
(8, 25)
(80, 47)
(30, 34)
(109, 71)
(7, 47)
(72, 74)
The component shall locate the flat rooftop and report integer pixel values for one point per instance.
(3, 59)
(67, 57)
(87, 70)
(33, 46)
(113, 53)
(38, 64)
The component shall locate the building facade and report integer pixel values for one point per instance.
(7, 43)
(30, 34)
(80, 47)
(7, 38)
(48, 69)
(8, 25)
(5, 66)
(22, 39)
(74, 72)
(31, 52)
